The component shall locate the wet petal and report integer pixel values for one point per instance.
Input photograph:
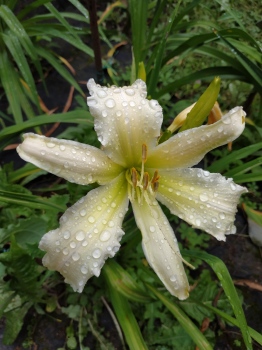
(161, 248)
(74, 161)
(187, 148)
(206, 201)
(89, 233)
(124, 120)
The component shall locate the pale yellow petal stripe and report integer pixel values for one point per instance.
(187, 148)
(206, 201)
(161, 248)
(124, 120)
(89, 233)
(74, 161)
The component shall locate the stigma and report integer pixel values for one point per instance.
(140, 185)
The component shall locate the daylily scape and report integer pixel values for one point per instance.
(132, 167)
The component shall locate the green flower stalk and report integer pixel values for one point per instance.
(132, 167)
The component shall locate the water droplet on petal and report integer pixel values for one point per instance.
(104, 114)
(111, 223)
(66, 235)
(152, 228)
(170, 189)
(75, 256)
(96, 253)
(220, 129)
(73, 244)
(173, 278)
(233, 186)
(84, 270)
(50, 144)
(91, 219)
(222, 216)
(198, 222)
(101, 93)
(105, 235)
(83, 212)
(226, 120)
(130, 92)
(203, 197)
(80, 236)
(62, 147)
(91, 102)
(110, 103)
(65, 251)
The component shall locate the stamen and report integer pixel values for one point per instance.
(155, 186)
(145, 181)
(144, 153)
(134, 176)
(155, 177)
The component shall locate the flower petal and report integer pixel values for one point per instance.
(124, 120)
(187, 148)
(74, 161)
(89, 233)
(206, 201)
(161, 248)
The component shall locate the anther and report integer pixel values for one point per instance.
(145, 181)
(155, 177)
(155, 186)
(134, 176)
(144, 153)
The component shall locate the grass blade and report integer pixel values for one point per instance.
(221, 164)
(125, 317)
(184, 320)
(225, 279)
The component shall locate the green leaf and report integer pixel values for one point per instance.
(225, 279)
(123, 282)
(221, 164)
(184, 320)
(59, 67)
(138, 12)
(30, 201)
(224, 72)
(125, 317)
(244, 167)
(203, 106)
(14, 323)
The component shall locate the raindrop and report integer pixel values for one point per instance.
(226, 120)
(66, 165)
(66, 235)
(154, 104)
(110, 103)
(115, 249)
(43, 153)
(65, 251)
(105, 235)
(91, 219)
(170, 189)
(104, 114)
(99, 208)
(80, 236)
(219, 276)
(130, 92)
(222, 216)
(104, 200)
(83, 212)
(124, 104)
(111, 224)
(152, 228)
(75, 256)
(118, 113)
(96, 253)
(91, 102)
(173, 278)
(62, 147)
(203, 197)
(84, 270)
(126, 120)
(198, 222)
(132, 104)
(73, 244)
(220, 129)
(233, 186)
(50, 144)
(101, 93)
(84, 244)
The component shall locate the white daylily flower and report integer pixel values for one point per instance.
(132, 166)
